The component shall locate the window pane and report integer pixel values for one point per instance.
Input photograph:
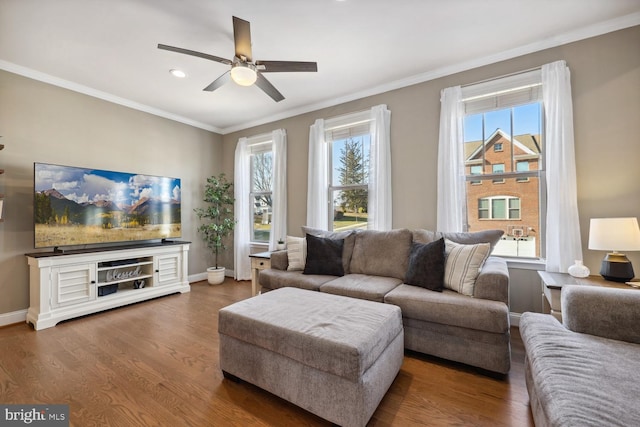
(498, 208)
(483, 208)
(261, 171)
(350, 209)
(476, 170)
(350, 160)
(498, 168)
(514, 208)
(522, 166)
(261, 224)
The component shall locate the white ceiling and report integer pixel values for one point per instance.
(107, 48)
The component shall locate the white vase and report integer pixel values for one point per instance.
(215, 276)
(579, 269)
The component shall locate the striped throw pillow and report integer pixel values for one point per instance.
(296, 252)
(463, 264)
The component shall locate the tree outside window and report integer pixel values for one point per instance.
(260, 197)
(349, 182)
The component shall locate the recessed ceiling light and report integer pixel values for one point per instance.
(178, 73)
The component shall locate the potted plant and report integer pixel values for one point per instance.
(218, 221)
(280, 245)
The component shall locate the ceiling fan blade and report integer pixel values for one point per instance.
(287, 66)
(268, 88)
(194, 53)
(219, 82)
(242, 38)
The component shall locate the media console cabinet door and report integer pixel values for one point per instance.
(168, 268)
(73, 284)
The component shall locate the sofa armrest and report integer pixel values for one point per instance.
(604, 312)
(493, 281)
(279, 260)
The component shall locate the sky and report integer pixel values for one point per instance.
(90, 185)
(526, 119)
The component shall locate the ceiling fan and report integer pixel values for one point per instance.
(244, 70)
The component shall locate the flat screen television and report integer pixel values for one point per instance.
(80, 206)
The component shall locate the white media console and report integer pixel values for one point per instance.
(75, 283)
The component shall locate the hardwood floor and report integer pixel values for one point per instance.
(155, 363)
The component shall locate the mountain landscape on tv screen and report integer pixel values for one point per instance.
(76, 206)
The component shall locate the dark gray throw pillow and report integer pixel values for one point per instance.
(426, 265)
(324, 256)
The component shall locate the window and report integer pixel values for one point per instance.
(496, 169)
(260, 196)
(349, 184)
(476, 170)
(499, 207)
(349, 154)
(260, 190)
(522, 166)
(503, 128)
(512, 108)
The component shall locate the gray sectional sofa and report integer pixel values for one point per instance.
(468, 325)
(585, 371)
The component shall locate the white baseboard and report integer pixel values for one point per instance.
(197, 277)
(514, 319)
(13, 317)
(203, 276)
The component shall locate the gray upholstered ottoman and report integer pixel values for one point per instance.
(331, 355)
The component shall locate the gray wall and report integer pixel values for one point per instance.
(606, 94)
(43, 123)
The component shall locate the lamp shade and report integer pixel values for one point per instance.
(614, 234)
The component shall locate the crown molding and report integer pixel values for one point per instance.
(86, 90)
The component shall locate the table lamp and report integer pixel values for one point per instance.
(615, 234)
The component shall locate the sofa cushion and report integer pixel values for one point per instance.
(324, 256)
(381, 253)
(463, 265)
(274, 279)
(349, 240)
(362, 286)
(426, 265)
(296, 252)
(450, 308)
(579, 379)
(466, 238)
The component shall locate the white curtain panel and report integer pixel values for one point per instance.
(241, 237)
(563, 241)
(380, 198)
(318, 181)
(279, 196)
(452, 199)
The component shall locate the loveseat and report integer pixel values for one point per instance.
(585, 371)
(452, 294)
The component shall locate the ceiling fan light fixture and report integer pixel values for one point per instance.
(244, 74)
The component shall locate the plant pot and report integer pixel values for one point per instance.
(280, 246)
(215, 276)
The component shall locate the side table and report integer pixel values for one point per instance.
(552, 284)
(259, 261)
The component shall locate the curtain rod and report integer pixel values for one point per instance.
(503, 76)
